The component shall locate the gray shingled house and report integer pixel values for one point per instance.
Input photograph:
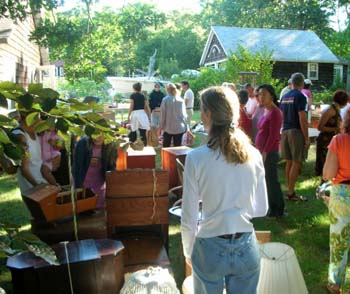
(293, 51)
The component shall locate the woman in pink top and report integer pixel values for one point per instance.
(337, 169)
(267, 142)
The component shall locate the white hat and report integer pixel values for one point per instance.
(307, 82)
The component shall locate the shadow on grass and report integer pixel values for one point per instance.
(15, 212)
(176, 252)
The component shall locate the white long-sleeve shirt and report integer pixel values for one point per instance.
(231, 194)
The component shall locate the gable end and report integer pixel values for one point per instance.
(215, 52)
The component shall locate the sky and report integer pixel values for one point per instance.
(181, 5)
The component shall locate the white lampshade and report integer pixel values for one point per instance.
(280, 271)
(187, 286)
(153, 280)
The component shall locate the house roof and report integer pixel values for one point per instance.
(287, 45)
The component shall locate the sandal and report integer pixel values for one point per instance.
(333, 288)
(295, 197)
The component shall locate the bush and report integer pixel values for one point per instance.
(85, 87)
(245, 61)
(208, 77)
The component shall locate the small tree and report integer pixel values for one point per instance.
(70, 117)
(245, 61)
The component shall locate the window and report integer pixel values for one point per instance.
(312, 71)
(59, 71)
(338, 72)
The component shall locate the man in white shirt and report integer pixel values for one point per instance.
(286, 89)
(344, 110)
(252, 101)
(189, 100)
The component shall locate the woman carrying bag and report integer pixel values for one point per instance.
(337, 169)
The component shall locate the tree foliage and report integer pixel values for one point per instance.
(21, 9)
(339, 43)
(291, 14)
(85, 87)
(245, 61)
(179, 46)
(96, 44)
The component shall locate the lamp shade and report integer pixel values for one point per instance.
(153, 280)
(280, 271)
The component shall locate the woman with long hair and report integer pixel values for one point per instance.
(267, 141)
(227, 176)
(329, 125)
(173, 117)
(337, 169)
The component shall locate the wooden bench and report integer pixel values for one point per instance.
(137, 214)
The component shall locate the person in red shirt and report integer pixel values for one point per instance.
(244, 122)
(268, 142)
(337, 169)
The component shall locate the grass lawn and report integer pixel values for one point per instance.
(305, 228)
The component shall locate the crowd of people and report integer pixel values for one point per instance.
(233, 178)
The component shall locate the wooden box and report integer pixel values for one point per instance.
(169, 156)
(96, 266)
(140, 253)
(131, 200)
(47, 202)
(137, 214)
(145, 158)
(91, 225)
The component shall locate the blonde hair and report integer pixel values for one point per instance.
(231, 86)
(224, 134)
(172, 89)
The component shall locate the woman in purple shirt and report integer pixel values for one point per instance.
(267, 142)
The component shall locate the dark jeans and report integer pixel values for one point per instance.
(167, 139)
(133, 136)
(274, 191)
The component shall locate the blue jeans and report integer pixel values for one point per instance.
(233, 261)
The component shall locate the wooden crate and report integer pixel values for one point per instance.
(91, 225)
(130, 201)
(145, 158)
(48, 203)
(169, 156)
(138, 216)
(96, 267)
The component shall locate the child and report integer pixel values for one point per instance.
(50, 145)
(244, 122)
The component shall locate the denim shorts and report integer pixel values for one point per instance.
(233, 262)
(155, 115)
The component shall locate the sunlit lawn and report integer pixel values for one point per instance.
(305, 228)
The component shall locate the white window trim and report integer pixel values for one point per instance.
(314, 78)
(338, 66)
